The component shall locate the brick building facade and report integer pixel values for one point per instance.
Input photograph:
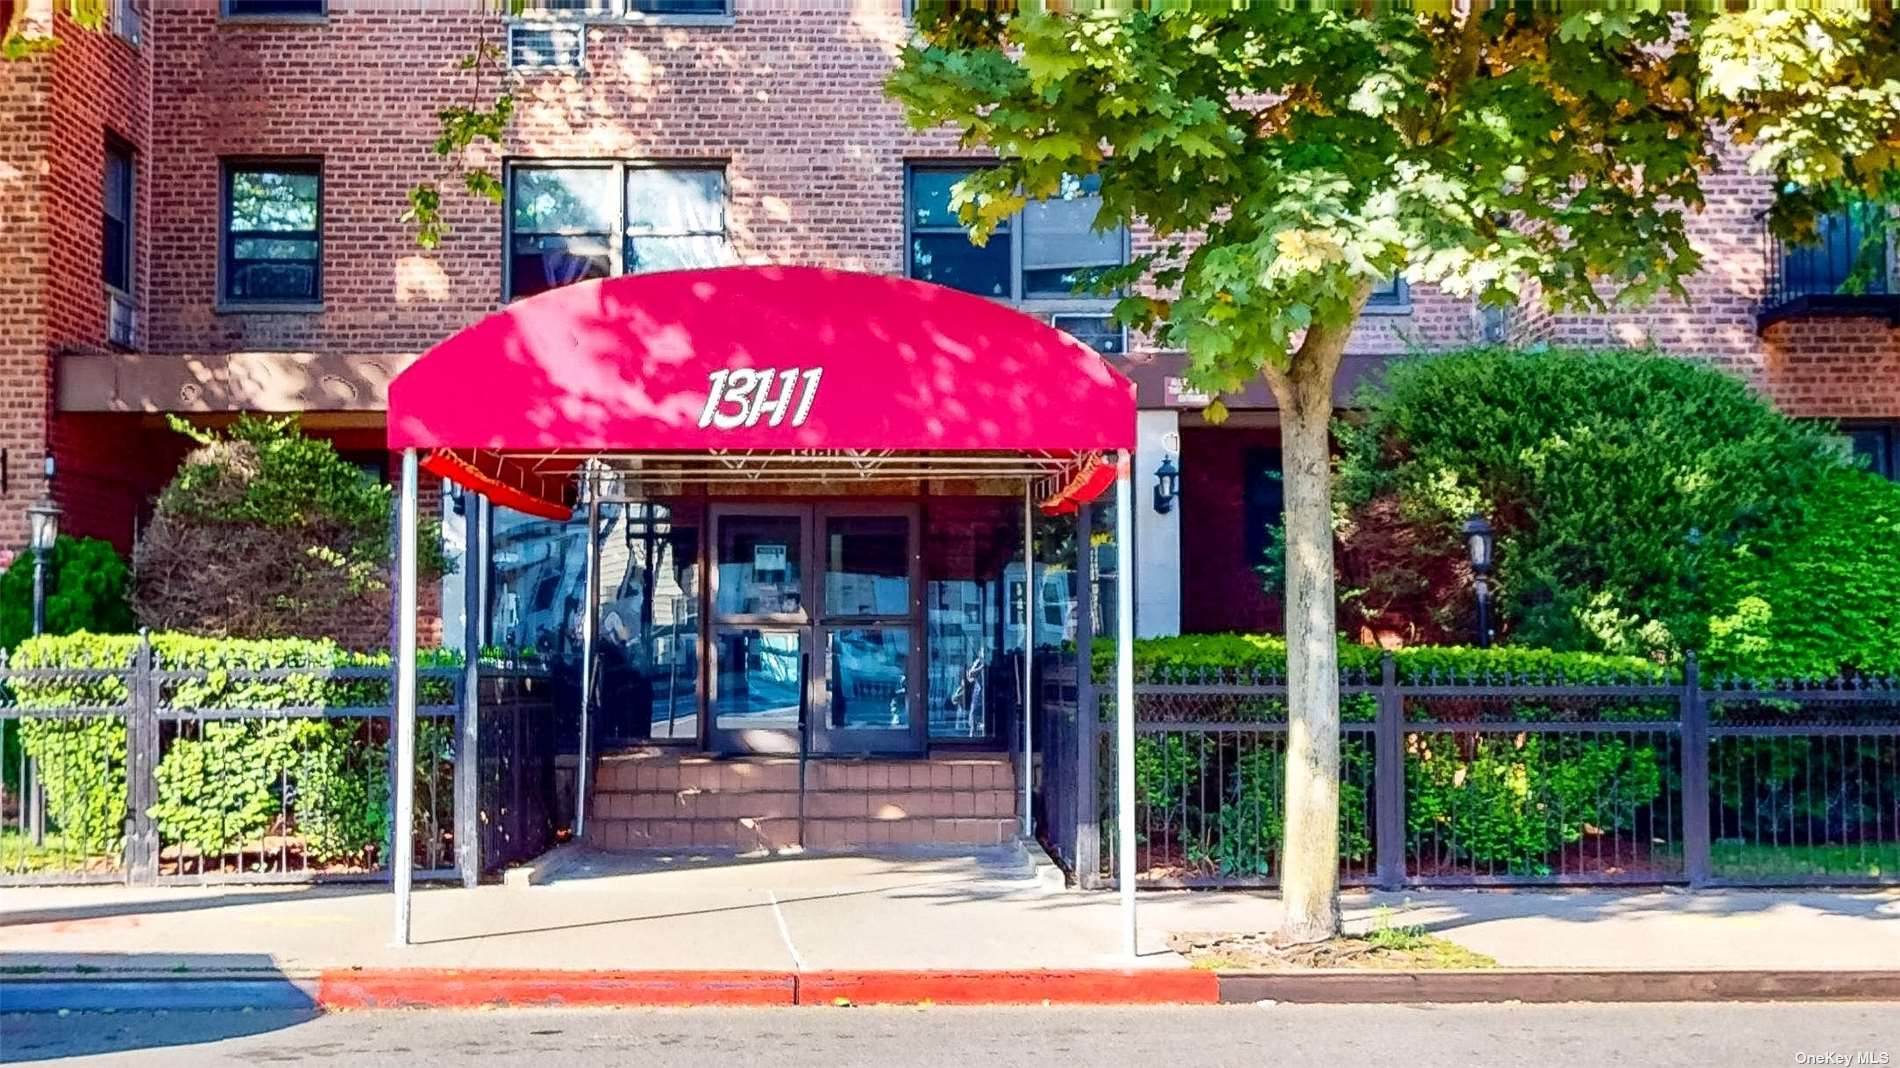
(784, 99)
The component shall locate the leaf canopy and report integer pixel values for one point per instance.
(1289, 157)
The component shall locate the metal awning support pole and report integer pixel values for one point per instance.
(403, 861)
(1125, 697)
(1029, 654)
(590, 599)
(468, 802)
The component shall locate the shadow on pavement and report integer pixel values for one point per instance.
(105, 1003)
(178, 899)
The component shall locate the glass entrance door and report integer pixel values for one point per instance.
(814, 629)
(870, 693)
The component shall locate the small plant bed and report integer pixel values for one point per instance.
(1386, 947)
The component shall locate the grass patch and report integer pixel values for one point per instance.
(1732, 859)
(55, 852)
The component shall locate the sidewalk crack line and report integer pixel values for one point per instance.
(785, 932)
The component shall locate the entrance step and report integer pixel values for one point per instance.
(650, 799)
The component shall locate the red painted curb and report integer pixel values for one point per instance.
(432, 988)
(1104, 986)
(427, 988)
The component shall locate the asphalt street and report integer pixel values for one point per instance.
(1858, 1035)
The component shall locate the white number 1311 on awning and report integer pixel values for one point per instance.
(742, 396)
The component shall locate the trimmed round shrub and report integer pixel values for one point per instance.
(266, 533)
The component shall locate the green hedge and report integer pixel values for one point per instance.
(1266, 653)
(225, 785)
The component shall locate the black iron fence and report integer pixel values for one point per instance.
(1463, 781)
(132, 772)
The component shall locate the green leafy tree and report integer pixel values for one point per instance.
(1290, 157)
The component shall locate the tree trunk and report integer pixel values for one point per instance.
(1309, 860)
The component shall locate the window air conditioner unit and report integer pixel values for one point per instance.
(547, 46)
(122, 322)
(1103, 333)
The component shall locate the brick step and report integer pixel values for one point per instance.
(643, 772)
(748, 834)
(889, 804)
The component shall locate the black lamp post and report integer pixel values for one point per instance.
(42, 529)
(1479, 543)
(43, 520)
(1167, 485)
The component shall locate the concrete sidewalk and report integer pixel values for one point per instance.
(992, 911)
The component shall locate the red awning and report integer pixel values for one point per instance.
(749, 361)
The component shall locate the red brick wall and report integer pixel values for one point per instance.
(791, 100)
(55, 110)
(25, 115)
(1838, 367)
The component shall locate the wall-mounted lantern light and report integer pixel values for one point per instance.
(1167, 485)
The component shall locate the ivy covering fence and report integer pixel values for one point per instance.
(187, 756)
(1466, 766)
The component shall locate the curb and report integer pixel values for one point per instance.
(1542, 986)
(343, 990)
(421, 988)
(1157, 986)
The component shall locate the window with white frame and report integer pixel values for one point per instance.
(1038, 254)
(571, 222)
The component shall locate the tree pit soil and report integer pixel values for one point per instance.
(1226, 951)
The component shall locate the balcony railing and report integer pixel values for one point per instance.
(1849, 269)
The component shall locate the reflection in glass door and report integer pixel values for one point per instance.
(814, 630)
(761, 631)
(870, 700)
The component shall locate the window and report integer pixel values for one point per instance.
(1392, 294)
(1879, 444)
(571, 223)
(1263, 502)
(1060, 245)
(125, 21)
(677, 7)
(273, 247)
(622, 8)
(274, 7)
(116, 260)
(1039, 254)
